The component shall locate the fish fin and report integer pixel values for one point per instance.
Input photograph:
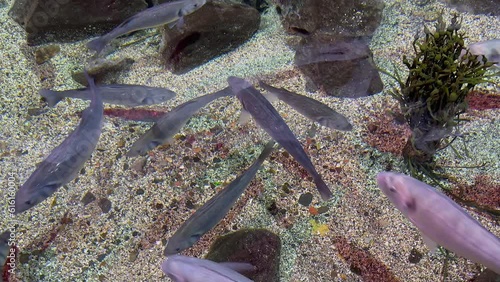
(239, 266)
(97, 44)
(179, 23)
(50, 96)
(244, 117)
(431, 245)
(324, 191)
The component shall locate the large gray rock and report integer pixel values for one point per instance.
(64, 20)
(216, 28)
(334, 34)
(341, 67)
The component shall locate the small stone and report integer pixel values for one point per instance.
(305, 199)
(105, 205)
(88, 198)
(103, 70)
(45, 53)
(415, 256)
(139, 191)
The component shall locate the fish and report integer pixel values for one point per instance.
(440, 220)
(169, 124)
(189, 269)
(341, 50)
(206, 217)
(488, 48)
(310, 108)
(171, 13)
(266, 116)
(118, 94)
(65, 161)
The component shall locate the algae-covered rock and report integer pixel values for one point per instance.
(259, 247)
(216, 28)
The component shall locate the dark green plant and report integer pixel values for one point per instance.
(433, 97)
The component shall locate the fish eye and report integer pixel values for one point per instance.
(392, 189)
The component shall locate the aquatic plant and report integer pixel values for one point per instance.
(433, 97)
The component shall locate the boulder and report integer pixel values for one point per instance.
(216, 28)
(64, 20)
(259, 247)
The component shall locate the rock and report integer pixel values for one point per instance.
(217, 28)
(259, 247)
(488, 7)
(45, 53)
(103, 70)
(305, 199)
(340, 67)
(337, 17)
(105, 205)
(63, 20)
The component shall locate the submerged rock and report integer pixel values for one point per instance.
(216, 28)
(487, 7)
(339, 67)
(63, 20)
(259, 247)
(337, 17)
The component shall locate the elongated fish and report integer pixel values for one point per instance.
(171, 13)
(188, 269)
(268, 118)
(67, 159)
(117, 94)
(206, 217)
(310, 108)
(440, 220)
(489, 48)
(172, 122)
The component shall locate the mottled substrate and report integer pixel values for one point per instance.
(151, 196)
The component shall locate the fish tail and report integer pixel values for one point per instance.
(97, 44)
(268, 149)
(323, 189)
(52, 97)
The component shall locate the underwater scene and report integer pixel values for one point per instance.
(250, 140)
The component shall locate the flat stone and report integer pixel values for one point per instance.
(259, 247)
(64, 20)
(216, 28)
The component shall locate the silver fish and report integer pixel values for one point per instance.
(269, 119)
(188, 269)
(310, 108)
(171, 13)
(206, 217)
(489, 48)
(172, 122)
(440, 220)
(66, 160)
(117, 94)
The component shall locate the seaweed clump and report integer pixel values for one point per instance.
(441, 75)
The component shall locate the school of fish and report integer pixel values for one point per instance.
(438, 218)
